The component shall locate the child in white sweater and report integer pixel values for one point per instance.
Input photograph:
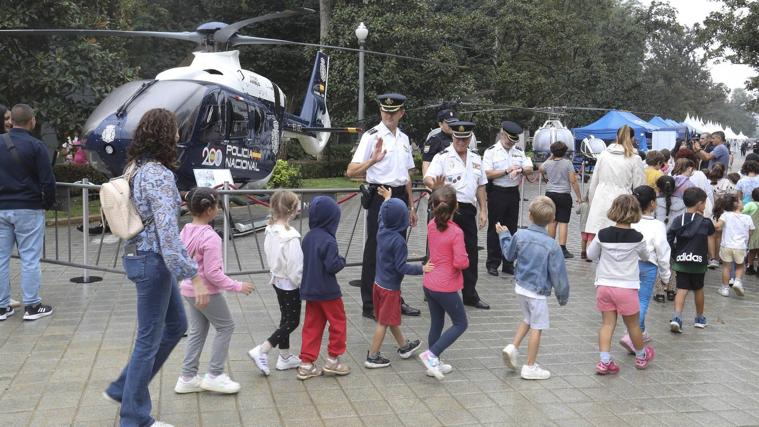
(618, 249)
(285, 259)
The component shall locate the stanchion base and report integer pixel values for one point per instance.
(355, 283)
(81, 279)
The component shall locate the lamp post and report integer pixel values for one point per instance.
(361, 33)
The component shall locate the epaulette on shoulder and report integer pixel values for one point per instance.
(491, 147)
(372, 131)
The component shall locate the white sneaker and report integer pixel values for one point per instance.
(291, 362)
(15, 304)
(510, 354)
(534, 372)
(432, 363)
(192, 386)
(445, 369)
(738, 288)
(724, 291)
(261, 359)
(713, 263)
(220, 384)
(161, 424)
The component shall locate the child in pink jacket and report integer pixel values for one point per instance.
(204, 245)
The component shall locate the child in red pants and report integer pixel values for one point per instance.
(320, 290)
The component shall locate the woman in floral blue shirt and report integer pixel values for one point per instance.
(157, 260)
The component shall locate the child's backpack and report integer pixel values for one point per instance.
(117, 208)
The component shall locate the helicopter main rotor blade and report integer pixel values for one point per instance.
(222, 36)
(184, 36)
(249, 40)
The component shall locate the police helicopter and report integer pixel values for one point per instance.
(229, 118)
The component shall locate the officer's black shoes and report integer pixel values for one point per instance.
(368, 315)
(408, 310)
(482, 305)
(508, 268)
(567, 254)
(493, 271)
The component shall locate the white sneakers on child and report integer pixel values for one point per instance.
(291, 362)
(534, 372)
(432, 363)
(510, 354)
(261, 359)
(738, 288)
(192, 386)
(445, 369)
(219, 384)
(724, 291)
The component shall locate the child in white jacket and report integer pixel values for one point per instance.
(285, 259)
(655, 235)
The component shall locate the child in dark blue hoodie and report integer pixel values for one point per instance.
(386, 292)
(320, 290)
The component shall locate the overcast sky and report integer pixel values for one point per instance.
(692, 11)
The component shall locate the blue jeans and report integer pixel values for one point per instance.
(161, 322)
(439, 304)
(26, 229)
(647, 282)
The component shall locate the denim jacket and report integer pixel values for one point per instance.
(540, 262)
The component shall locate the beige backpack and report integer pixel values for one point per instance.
(117, 208)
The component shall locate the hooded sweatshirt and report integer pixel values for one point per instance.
(618, 251)
(204, 246)
(391, 246)
(321, 259)
(284, 256)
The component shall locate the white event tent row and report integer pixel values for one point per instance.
(696, 125)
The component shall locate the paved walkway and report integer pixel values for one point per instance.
(54, 369)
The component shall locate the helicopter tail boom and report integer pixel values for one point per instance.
(314, 115)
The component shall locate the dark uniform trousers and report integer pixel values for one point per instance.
(466, 219)
(503, 207)
(369, 264)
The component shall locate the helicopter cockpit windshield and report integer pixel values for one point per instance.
(182, 97)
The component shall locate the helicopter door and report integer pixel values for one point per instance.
(212, 127)
(239, 123)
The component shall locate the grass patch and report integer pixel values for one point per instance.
(76, 209)
(338, 182)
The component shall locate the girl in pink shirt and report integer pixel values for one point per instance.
(441, 285)
(204, 245)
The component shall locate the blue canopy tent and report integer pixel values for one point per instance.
(669, 125)
(606, 128)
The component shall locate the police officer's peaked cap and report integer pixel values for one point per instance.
(461, 129)
(446, 115)
(512, 129)
(391, 102)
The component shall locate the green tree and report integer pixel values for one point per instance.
(63, 78)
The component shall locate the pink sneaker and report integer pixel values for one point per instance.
(627, 343)
(607, 368)
(642, 363)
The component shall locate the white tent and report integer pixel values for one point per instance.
(729, 134)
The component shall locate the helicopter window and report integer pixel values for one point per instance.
(212, 71)
(257, 121)
(238, 119)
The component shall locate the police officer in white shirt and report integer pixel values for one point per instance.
(384, 157)
(462, 168)
(504, 164)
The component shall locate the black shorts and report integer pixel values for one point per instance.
(690, 281)
(563, 202)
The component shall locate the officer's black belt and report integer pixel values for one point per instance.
(501, 189)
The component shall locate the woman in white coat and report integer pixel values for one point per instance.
(618, 170)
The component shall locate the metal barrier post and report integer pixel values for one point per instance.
(86, 278)
(225, 200)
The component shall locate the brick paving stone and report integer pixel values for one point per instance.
(54, 369)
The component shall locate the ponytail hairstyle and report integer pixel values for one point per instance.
(666, 186)
(201, 199)
(681, 165)
(716, 173)
(645, 195)
(625, 136)
(726, 203)
(444, 205)
(282, 205)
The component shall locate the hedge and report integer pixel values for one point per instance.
(74, 173)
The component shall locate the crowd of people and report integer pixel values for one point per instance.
(646, 223)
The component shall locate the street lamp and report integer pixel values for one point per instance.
(361, 33)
